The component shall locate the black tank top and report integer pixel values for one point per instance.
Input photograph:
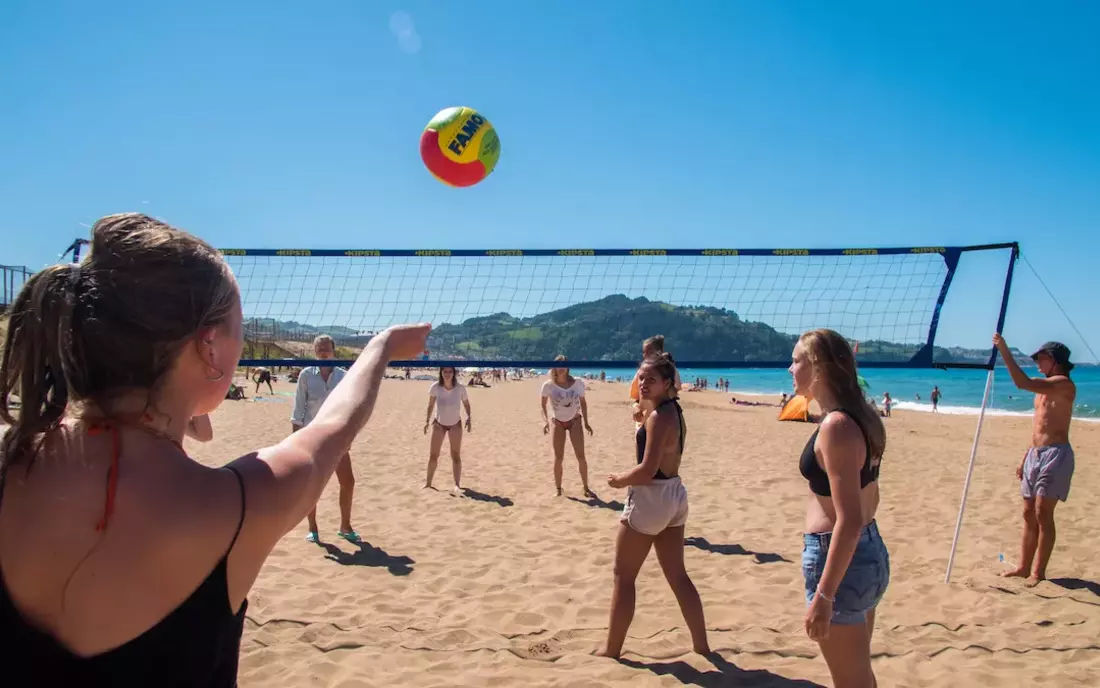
(816, 475)
(640, 436)
(197, 644)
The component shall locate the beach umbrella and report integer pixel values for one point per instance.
(471, 370)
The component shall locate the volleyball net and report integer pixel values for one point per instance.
(717, 308)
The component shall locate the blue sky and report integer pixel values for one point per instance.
(623, 124)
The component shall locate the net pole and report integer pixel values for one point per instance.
(985, 403)
(969, 474)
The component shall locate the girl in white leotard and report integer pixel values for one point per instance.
(566, 395)
(446, 396)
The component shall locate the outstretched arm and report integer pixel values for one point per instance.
(1020, 378)
(283, 482)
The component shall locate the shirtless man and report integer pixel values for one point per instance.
(1047, 467)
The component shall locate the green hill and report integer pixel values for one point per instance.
(612, 328)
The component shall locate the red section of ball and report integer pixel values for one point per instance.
(454, 173)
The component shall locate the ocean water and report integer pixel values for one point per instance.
(962, 389)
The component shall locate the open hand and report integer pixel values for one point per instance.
(469, 425)
(426, 428)
(546, 428)
(818, 618)
(588, 428)
(405, 342)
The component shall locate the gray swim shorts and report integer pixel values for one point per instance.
(1048, 472)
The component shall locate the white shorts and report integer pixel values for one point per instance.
(658, 505)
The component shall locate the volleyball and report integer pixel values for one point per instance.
(459, 146)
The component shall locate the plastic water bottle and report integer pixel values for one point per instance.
(1001, 557)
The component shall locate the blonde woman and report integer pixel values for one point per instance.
(844, 560)
(566, 396)
(445, 397)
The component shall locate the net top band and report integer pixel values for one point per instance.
(583, 252)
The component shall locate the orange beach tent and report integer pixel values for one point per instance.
(797, 408)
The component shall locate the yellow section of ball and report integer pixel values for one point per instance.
(461, 131)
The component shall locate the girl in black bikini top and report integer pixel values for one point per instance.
(640, 436)
(816, 475)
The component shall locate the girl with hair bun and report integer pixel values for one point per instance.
(124, 562)
(656, 509)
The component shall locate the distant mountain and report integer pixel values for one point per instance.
(612, 328)
(876, 350)
(269, 329)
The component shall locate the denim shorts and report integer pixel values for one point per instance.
(864, 582)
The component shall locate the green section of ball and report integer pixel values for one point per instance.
(490, 150)
(444, 117)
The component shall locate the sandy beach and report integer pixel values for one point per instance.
(510, 586)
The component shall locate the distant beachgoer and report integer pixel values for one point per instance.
(446, 396)
(887, 403)
(566, 396)
(656, 510)
(1046, 471)
(235, 392)
(314, 386)
(783, 400)
(261, 376)
(935, 398)
(844, 562)
(652, 347)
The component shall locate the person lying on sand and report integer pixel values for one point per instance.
(1046, 470)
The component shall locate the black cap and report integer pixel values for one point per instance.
(1058, 351)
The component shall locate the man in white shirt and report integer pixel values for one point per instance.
(314, 385)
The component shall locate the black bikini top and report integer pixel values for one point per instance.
(816, 475)
(640, 436)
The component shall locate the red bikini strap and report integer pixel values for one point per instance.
(112, 473)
